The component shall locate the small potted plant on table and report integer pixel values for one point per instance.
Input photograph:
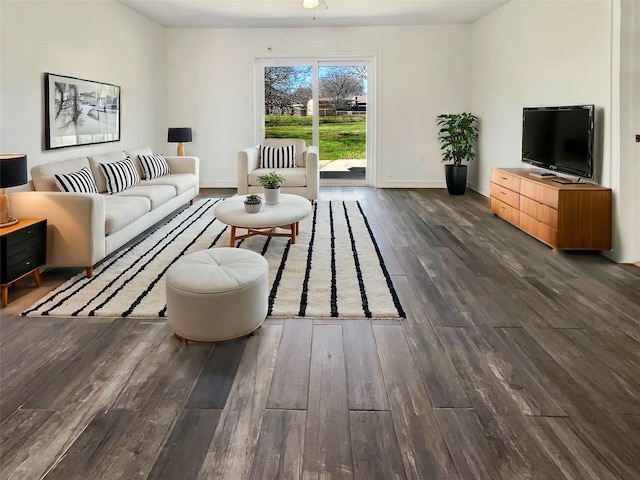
(252, 204)
(458, 133)
(271, 187)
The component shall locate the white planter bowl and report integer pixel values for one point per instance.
(252, 207)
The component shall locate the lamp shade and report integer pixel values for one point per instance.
(182, 134)
(13, 170)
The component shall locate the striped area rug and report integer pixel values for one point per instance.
(335, 269)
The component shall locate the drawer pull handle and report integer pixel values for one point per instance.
(503, 193)
(505, 178)
(28, 263)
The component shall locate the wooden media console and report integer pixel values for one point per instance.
(574, 216)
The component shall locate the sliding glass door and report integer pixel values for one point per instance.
(325, 103)
(342, 111)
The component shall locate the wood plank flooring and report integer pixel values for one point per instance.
(514, 362)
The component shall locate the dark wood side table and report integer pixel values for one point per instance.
(23, 249)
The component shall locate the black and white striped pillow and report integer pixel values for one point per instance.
(120, 175)
(278, 157)
(77, 182)
(153, 166)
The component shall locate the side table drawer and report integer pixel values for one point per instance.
(23, 235)
(23, 266)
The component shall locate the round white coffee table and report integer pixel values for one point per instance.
(286, 215)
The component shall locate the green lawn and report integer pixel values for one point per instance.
(338, 139)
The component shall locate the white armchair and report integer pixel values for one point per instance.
(303, 180)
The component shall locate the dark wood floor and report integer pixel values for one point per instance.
(514, 362)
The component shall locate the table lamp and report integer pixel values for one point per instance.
(13, 172)
(179, 135)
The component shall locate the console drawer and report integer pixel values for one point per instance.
(538, 229)
(504, 179)
(543, 194)
(505, 195)
(539, 211)
(505, 211)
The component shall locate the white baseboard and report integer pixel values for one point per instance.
(411, 184)
(218, 185)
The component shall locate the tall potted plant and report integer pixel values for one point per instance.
(271, 187)
(457, 135)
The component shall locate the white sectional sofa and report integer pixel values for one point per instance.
(83, 228)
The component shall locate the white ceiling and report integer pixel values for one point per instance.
(290, 13)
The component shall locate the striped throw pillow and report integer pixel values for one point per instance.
(78, 182)
(278, 157)
(120, 175)
(153, 166)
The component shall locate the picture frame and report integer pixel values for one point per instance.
(80, 112)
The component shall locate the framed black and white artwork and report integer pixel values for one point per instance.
(80, 112)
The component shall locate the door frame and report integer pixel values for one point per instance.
(370, 59)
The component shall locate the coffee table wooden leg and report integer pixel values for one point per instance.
(232, 237)
(293, 233)
(5, 295)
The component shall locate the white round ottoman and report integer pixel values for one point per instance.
(217, 294)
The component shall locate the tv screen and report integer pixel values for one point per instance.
(559, 138)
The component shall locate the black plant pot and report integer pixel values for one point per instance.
(456, 179)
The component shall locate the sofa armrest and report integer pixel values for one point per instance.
(185, 165)
(312, 164)
(247, 161)
(75, 224)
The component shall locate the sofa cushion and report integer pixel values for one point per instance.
(293, 177)
(153, 166)
(96, 160)
(123, 211)
(278, 157)
(120, 175)
(43, 175)
(134, 152)
(77, 182)
(180, 181)
(301, 147)
(157, 194)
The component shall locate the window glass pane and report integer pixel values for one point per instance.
(287, 102)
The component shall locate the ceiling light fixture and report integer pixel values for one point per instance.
(310, 3)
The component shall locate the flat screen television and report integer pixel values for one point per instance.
(559, 138)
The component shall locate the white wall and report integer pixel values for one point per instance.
(422, 71)
(629, 193)
(534, 53)
(102, 41)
